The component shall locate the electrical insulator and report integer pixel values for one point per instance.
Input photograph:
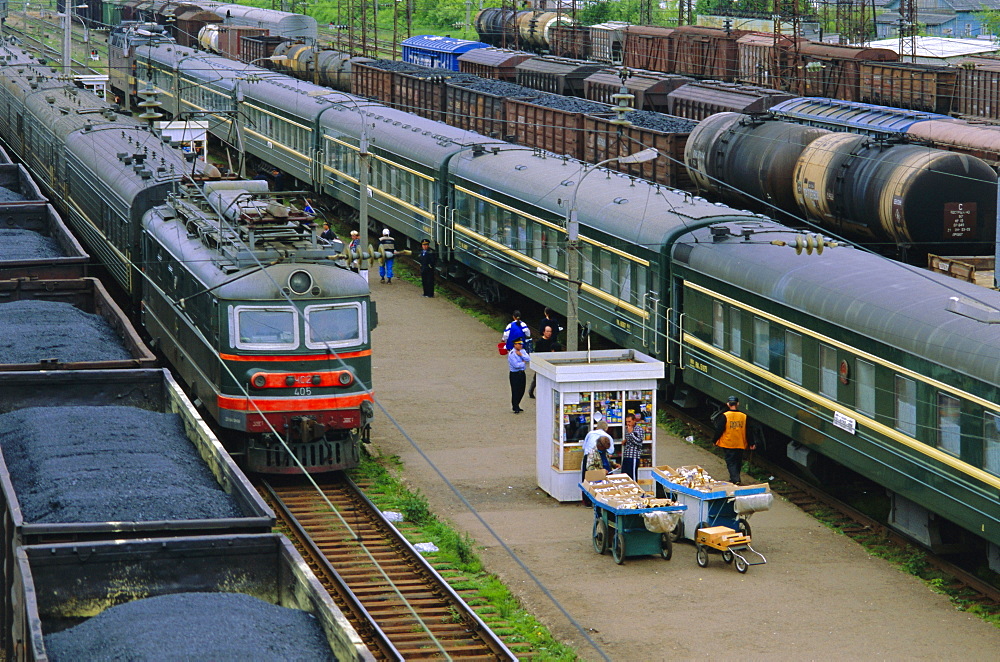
(149, 103)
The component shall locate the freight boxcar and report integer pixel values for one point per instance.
(495, 63)
(258, 48)
(189, 24)
(706, 52)
(650, 88)
(571, 41)
(607, 42)
(649, 48)
(978, 83)
(699, 100)
(831, 70)
(555, 75)
(264, 566)
(229, 39)
(766, 59)
(909, 85)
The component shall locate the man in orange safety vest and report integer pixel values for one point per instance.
(731, 437)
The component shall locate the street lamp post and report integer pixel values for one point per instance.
(68, 37)
(572, 246)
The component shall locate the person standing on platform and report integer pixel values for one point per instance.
(632, 446)
(517, 361)
(387, 244)
(327, 233)
(599, 432)
(547, 343)
(598, 458)
(353, 248)
(549, 322)
(516, 330)
(731, 437)
(427, 259)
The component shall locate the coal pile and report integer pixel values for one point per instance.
(570, 104)
(8, 195)
(500, 88)
(394, 65)
(31, 331)
(97, 464)
(660, 122)
(194, 626)
(18, 244)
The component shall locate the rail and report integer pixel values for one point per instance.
(395, 599)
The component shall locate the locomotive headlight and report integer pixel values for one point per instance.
(259, 381)
(345, 378)
(316, 379)
(300, 282)
(289, 381)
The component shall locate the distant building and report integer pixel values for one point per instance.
(937, 18)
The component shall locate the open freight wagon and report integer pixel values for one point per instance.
(144, 389)
(264, 566)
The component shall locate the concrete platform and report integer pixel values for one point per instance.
(820, 596)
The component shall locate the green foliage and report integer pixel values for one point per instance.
(990, 18)
(414, 508)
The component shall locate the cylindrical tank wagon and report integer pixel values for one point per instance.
(867, 189)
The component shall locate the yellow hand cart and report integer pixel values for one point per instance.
(733, 545)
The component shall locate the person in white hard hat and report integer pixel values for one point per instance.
(388, 246)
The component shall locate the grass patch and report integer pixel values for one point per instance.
(457, 555)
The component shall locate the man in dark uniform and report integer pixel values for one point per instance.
(731, 437)
(428, 260)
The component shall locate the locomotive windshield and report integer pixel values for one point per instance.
(259, 327)
(280, 327)
(334, 326)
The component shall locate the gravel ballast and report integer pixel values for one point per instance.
(98, 464)
(194, 626)
(34, 330)
(19, 244)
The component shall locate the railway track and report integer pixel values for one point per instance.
(401, 607)
(857, 525)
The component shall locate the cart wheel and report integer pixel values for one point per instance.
(741, 565)
(618, 548)
(701, 556)
(666, 546)
(743, 527)
(727, 556)
(600, 535)
(677, 532)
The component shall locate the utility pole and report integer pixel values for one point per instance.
(908, 30)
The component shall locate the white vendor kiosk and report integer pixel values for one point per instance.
(573, 388)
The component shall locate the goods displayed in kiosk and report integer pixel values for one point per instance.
(578, 412)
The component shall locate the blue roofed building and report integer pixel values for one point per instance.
(937, 18)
